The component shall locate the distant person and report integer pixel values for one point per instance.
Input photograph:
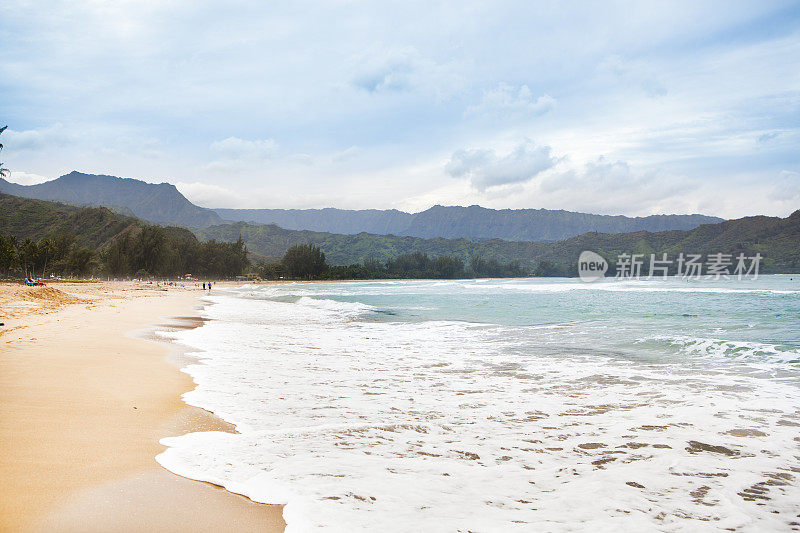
(209, 285)
(204, 285)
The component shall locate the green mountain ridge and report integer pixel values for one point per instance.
(93, 227)
(164, 204)
(38, 233)
(777, 239)
(157, 203)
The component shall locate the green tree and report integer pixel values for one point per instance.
(149, 250)
(115, 257)
(8, 253)
(79, 261)
(448, 267)
(28, 253)
(46, 252)
(304, 261)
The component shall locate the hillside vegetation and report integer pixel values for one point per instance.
(121, 243)
(777, 239)
(39, 237)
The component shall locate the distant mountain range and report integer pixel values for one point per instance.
(159, 204)
(164, 204)
(777, 239)
(473, 222)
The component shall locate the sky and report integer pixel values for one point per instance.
(631, 108)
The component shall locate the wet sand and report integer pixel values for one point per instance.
(85, 399)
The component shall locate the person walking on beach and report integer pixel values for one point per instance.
(204, 285)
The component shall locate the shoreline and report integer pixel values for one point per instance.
(88, 389)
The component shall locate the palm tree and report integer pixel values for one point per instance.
(3, 171)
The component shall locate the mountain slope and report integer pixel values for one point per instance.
(164, 204)
(127, 246)
(93, 227)
(777, 239)
(381, 222)
(160, 204)
(473, 222)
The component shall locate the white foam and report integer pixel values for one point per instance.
(445, 426)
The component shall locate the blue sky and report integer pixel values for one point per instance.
(608, 107)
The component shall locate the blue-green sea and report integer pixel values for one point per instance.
(504, 404)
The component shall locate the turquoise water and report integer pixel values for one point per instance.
(498, 405)
(633, 319)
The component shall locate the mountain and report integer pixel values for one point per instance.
(93, 227)
(159, 204)
(164, 204)
(81, 240)
(473, 222)
(329, 219)
(777, 239)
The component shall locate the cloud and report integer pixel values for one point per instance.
(404, 69)
(301, 159)
(766, 137)
(38, 139)
(26, 178)
(634, 73)
(485, 168)
(236, 148)
(787, 187)
(407, 90)
(208, 195)
(616, 187)
(346, 155)
(390, 71)
(600, 175)
(506, 102)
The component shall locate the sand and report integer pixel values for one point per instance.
(85, 400)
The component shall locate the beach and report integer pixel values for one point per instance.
(87, 393)
(400, 405)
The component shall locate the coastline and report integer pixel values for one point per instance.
(86, 400)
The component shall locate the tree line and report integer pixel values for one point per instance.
(307, 261)
(153, 251)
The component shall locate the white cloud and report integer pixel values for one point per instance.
(347, 154)
(37, 139)
(633, 73)
(26, 178)
(508, 102)
(787, 187)
(484, 168)
(615, 187)
(391, 70)
(236, 148)
(208, 195)
(404, 69)
(663, 88)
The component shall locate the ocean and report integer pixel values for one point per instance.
(503, 405)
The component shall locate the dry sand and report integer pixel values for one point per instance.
(84, 402)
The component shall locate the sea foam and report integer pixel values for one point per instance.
(359, 423)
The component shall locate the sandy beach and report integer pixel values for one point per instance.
(85, 398)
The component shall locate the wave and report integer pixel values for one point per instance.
(746, 351)
(440, 425)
